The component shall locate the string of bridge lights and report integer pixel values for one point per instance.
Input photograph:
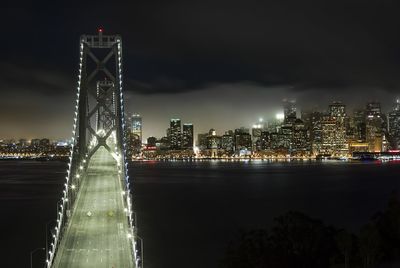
(128, 201)
(60, 216)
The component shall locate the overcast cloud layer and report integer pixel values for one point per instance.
(203, 61)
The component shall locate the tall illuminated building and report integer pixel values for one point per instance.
(313, 123)
(374, 127)
(135, 134)
(358, 125)
(187, 136)
(256, 131)
(286, 130)
(213, 142)
(289, 111)
(300, 144)
(394, 127)
(275, 123)
(328, 135)
(264, 143)
(243, 143)
(329, 131)
(227, 142)
(175, 134)
(136, 126)
(373, 108)
(286, 136)
(337, 113)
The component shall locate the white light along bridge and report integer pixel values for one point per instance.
(95, 226)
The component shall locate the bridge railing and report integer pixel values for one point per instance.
(76, 167)
(138, 257)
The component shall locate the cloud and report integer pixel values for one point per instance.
(35, 80)
(171, 46)
(161, 85)
(204, 58)
(34, 102)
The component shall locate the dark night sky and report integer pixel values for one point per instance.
(219, 64)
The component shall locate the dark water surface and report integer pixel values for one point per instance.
(189, 211)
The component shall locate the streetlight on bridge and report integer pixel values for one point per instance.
(141, 250)
(32, 252)
(47, 232)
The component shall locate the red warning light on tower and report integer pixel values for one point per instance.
(100, 30)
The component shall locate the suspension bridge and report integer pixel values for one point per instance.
(95, 225)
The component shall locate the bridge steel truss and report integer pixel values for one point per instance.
(99, 85)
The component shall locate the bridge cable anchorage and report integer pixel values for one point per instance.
(98, 121)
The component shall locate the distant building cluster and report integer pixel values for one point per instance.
(178, 141)
(34, 148)
(309, 134)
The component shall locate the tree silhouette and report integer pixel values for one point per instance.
(299, 241)
(388, 224)
(344, 242)
(296, 240)
(369, 245)
(302, 241)
(250, 250)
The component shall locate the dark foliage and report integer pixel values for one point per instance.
(299, 241)
(296, 240)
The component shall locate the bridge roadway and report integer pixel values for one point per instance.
(101, 239)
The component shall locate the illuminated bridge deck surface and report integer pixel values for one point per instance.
(99, 240)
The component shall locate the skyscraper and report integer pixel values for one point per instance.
(394, 127)
(373, 108)
(243, 144)
(289, 111)
(315, 126)
(300, 139)
(264, 143)
(256, 131)
(337, 113)
(357, 125)
(136, 125)
(227, 142)
(175, 134)
(187, 136)
(213, 143)
(286, 136)
(374, 127)
(328, 138)
(135, 135)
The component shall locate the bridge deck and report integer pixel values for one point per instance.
(98, 240)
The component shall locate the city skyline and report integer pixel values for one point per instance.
(157, 128)
(333, 132)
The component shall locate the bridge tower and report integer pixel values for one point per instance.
(98, 122)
